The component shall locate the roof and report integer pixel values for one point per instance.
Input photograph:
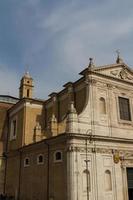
(23, 100)
(8, 99)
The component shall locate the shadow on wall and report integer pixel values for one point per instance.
(3, 145)
(39, 126)
(2, 174)
(3, 131)
(5, 197)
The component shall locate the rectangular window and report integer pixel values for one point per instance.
(130, 183)
(14, 128)
(28, 93)
(124, 108)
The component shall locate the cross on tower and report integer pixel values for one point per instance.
(27, 67)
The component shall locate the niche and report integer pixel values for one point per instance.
(108, 181)
(86, 181)
(102, 105)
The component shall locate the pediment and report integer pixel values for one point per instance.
(117, 71)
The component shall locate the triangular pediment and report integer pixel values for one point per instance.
(119, 71)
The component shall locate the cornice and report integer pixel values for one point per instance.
(99, 138)
(111, 66)
(112, 78)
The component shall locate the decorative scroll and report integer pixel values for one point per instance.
(122, 74)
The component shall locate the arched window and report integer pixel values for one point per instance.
(40, 159)
(86, 181)
(102, 105)
(26, 162)
(108, 181)
(58, 156)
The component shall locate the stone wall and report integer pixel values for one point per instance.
(3, 140)
(37, 180)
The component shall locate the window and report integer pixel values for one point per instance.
(1, 162)
(26, 162)
(108, 181)
(14, 127)
(28, 93)
(13, 130)
(124, 109)
(58, 156)
(102, 105)
(40, 159)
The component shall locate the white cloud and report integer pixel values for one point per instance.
(58, 42)
(86, 30)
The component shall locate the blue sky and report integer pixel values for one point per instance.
(55, 38)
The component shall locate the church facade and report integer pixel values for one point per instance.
(76, 145)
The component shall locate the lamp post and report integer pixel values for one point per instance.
(87, 161)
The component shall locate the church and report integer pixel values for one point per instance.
(75, 145)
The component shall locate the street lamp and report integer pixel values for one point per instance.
(87, 161)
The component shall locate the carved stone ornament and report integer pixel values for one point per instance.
(114, 72)
(70, 89)
(122, 74)
(126, 159)
(54, 98)
(86, 81)
(104, 151)
(88, 150)
(128, 155)
(89, 80)
(110, 86)
(93, 81)
(79, 149)
(126, 163)
(116, 157)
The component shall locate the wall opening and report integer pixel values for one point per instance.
(102, 105)
(108, 181)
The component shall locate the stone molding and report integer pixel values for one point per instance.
(78, 149)
(127, 155)
(88, 150)
(122, 74)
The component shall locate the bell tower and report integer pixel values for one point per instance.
(26, 86)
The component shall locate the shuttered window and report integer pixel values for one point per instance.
(124, 108)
